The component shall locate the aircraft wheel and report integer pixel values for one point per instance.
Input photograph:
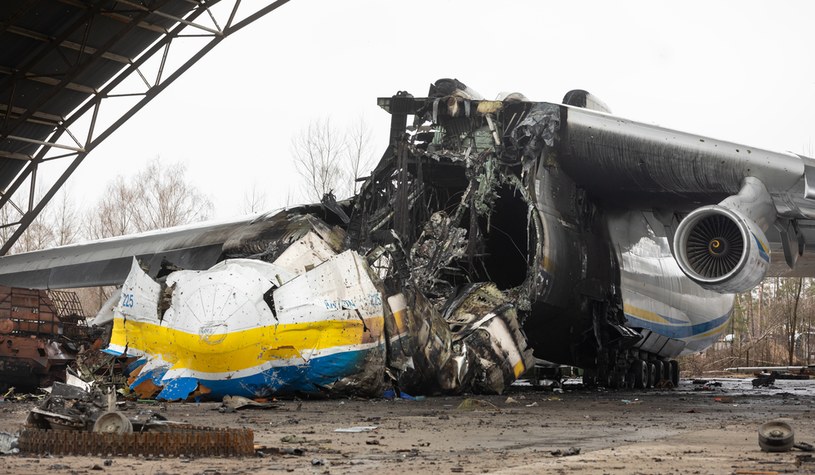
(776, 436)
(667, 374)
(113, 422)
(639, 373)
(674, 372)
(652, 371)
(659, 372)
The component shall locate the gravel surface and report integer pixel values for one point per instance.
(526, 430)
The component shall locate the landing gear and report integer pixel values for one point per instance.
(674, 372)
(652, 368)
(668, 376)
(659, 372)
(633, 370)
(639, 374)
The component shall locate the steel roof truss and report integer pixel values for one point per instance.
(79, 152)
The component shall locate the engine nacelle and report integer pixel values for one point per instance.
(721, 249)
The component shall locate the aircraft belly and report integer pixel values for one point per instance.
(674, 314)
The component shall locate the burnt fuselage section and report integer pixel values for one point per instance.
(476, 190)
(491, 167)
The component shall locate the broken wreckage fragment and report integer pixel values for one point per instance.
(311, 322)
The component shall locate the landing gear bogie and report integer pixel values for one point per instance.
(634, 370)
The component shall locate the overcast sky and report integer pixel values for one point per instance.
(741, 71)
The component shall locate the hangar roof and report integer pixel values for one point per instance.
(60, 59)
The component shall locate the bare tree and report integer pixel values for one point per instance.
(318, 153)
(329, 160)
(164, 197)
(65, 218)
(157, 197)
(112, 215)
(792, 302)
(360, 158)
(254, 201)
(56, 225)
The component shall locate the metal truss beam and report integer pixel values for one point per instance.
(78, 149)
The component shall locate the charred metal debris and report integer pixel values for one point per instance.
(41, 333)
(437, 260)
(75, 420)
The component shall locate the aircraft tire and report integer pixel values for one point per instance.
(674, 372)
(652, 370)
(639, 373)
(667, 375)
(659, 372)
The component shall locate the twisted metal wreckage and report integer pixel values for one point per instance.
(414, 282)
(487, 229)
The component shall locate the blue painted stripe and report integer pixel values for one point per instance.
(307, 378)
(678, 331)
(762, 249)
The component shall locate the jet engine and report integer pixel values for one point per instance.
(721, 249)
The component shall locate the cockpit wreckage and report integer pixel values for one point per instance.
(489, 228)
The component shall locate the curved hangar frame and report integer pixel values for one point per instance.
(62, 61)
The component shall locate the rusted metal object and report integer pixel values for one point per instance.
(38, 336)
(776, 436)
(73, 421)
(173, 442)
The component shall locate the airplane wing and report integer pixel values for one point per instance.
(196, 246)
(627, 161)
(619, 162)
(631, 164)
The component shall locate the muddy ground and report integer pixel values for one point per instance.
(620, 432)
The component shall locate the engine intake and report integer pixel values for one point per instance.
(721, 249)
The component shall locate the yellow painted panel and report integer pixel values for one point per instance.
(233, 351)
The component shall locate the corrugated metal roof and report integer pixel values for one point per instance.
(56, 54)
(59, 59)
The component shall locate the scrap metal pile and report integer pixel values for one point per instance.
(76, 421)
(419, 282)
(41, 333)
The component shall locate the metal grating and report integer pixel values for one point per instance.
(66, 303)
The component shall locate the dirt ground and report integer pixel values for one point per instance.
(618, 432)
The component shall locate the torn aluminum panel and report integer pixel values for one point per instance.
(304, 254)
(483, 319)
(231, 330)
(477, 345)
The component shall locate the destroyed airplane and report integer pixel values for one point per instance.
(489, 227)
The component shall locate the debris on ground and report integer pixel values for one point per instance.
(73, 421)
(706, 385)
(804, 446)
(355, 430)
(471, 404)
(566, 452)
(765, 380)
(8, 443)
(43, 332)
(235, 403)
(776, 436)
